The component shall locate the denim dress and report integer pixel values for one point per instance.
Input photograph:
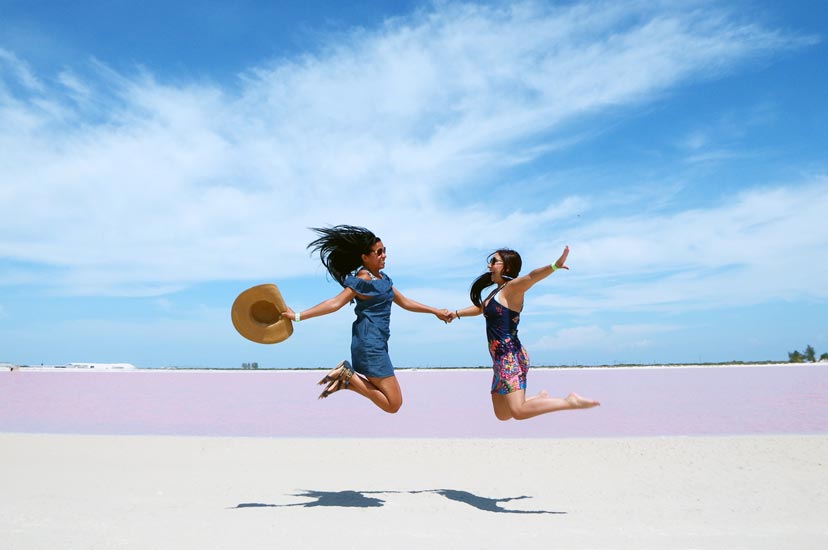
(371, 330)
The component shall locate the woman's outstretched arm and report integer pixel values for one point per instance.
(410, 305)
(469, 311)
(525, 282)
(323, 308)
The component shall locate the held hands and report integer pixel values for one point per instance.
(445, 315)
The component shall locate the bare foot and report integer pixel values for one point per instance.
(579, 402)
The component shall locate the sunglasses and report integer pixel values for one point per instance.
(494, 261)
(381, 251)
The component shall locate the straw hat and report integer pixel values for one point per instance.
(256, 314)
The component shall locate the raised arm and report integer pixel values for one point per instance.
(525, 282)
(323, 308)
(410, 305)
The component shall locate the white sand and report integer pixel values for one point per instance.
(103, 492)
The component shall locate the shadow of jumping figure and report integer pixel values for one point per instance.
(359, 499)
(484, 503)
(342, 499)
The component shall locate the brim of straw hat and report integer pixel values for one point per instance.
(257, 315)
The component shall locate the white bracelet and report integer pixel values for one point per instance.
(297, 317)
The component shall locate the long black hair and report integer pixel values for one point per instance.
(511, 269)
(341, 248)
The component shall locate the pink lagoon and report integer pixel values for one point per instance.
(635, 402)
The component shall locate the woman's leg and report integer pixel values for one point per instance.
(542, 393)
(385, 392)
(515, 405)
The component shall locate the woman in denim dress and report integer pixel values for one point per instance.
(354, 257)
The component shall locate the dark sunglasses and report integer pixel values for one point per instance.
(493, 261)
(381, 251)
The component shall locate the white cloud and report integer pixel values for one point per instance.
(614, 339)
(20, 71)
(721, 137)
(764, 245)
(126, 183)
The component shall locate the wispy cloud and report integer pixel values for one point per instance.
(616, 338)
(722, 136)
(19, 72)
(763, 245)
(126, 184)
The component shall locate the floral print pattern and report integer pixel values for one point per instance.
(510, 361)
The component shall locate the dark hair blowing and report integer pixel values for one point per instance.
(511, 269)
(341, 248)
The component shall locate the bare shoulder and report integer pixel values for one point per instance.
(364, 275)
(523, 279)
(518, 284)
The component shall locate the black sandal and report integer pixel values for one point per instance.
(342, 380)
(335, 374)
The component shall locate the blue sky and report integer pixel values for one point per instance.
(158, 158)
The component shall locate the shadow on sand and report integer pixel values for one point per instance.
(360, 499)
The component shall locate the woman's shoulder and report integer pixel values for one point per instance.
(514, 290)
(364, 275)
(518, 284)
(364, 284)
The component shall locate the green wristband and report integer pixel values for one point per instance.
(554, 267)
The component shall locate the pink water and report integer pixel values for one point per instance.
(452, 403)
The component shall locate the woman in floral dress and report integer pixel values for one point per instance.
(510, 361)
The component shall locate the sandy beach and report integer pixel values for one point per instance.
(707, 458)
(87, 492)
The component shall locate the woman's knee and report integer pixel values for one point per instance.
(393, 406)
(501, 409)
(520, 415)
(392, 399)
(512, 410)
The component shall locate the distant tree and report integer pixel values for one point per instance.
(254, 365)
(810, 354)
(823, 357)
(794, 357)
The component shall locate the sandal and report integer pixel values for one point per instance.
(335, 374)
(342, 380)
(334, 386)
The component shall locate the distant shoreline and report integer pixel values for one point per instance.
(737, 364)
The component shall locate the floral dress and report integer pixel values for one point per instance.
(510, 360)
